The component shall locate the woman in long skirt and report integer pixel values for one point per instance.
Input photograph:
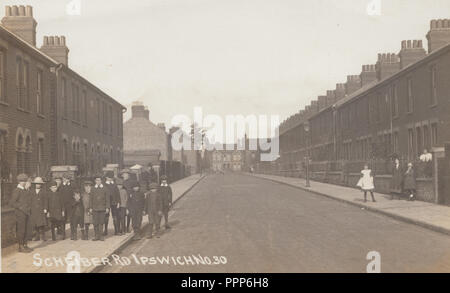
(397, 179)
(366, 182)
(410, 182)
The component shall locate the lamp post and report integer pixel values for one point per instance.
(306, 128)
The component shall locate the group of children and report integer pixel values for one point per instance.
(37, 209)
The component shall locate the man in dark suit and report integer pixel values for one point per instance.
(114, 198)
(21, 202)
(166, 197)
(99, 206)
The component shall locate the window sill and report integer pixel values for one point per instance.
(395, 117)
(433, 106)
(409, 113)
(23, 110)
(75, 122)
(41, 116)
(4, 103)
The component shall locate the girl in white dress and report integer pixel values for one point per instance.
(366, 182)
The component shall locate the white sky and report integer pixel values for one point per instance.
(228, 56)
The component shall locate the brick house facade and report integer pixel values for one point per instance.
(398, 106)
(49, 114)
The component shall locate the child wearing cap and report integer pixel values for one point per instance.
(135, 203)
(123, 211)
(21, 202)
(86, 198)
(76, 216)
(56, 211)
(39, 205)
(153, 208)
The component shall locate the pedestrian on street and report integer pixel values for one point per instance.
(123, 210)
(86, 198)
(39, 205)
(56, 214)
(114, 197)
(127, 185)
(21, 202)
(136, 205)
(154, 208)
(166, 195)
(366, 182)
(58, 180)
(76, 216)
(99, 206)
(66, 190)
(410, 182)
(397, 179)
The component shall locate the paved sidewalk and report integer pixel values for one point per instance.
(428, 215)
(55, 252)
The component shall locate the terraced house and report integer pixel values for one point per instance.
(49, 114)
(396, 107)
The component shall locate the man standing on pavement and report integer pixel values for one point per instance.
(153, 208)
(39, 206)
(114, 197)
(21, 202)
(136, 205)
(99, 206)
(166, 196)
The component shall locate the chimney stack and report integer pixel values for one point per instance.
(353, 84)
(162, 126)
(56, 48)
(368, 74)
(138, 110)
(321, 102)
(340, 91)
(439, 34)
(314, 107)
(387, 65)
(411, 52)
(331, 97)
(19, 20)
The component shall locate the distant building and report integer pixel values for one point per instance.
(228, 159)
(144, 141)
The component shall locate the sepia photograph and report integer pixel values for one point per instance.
(225, 137)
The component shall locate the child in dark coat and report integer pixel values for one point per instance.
(76, 216)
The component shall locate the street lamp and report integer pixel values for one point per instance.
(306, 128)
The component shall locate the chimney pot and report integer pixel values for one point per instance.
(29, 11)
(8, 10)
(15, 10)
(21, 10)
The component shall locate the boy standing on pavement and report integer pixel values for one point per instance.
(153, 208)
(66, 190)
(55, 210)
(136, 202)
(166, 195)
(39, 205)
(114, 198)
(21, 202)
(122, 206)
(99, 206)
(86, 198)
(77, 215)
